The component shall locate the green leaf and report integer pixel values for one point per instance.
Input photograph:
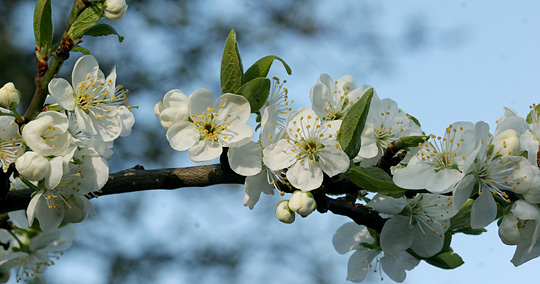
(471, 231)
(81, 49)
(409, 141)
(415, 120)
(375, 180)
(446, 260)
(103, 30)
(529, 117)
(231, 66)
(256, 92)
(261, 68)
(353, 125)
(43, 24)
(89, 17)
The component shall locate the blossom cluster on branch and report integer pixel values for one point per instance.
(351, 152)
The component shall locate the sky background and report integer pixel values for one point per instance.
(440, 61)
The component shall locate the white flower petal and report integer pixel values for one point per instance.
(524, 253)
(62, 92)
(204, 151)
(359, 264)
(18, 218)
(246, 160)
(49, 218)
(397, 234)
(254, 185)
(508, 230)
(233, 108)
(199, 101)
(428, 241)
(443, 181)
(304, 175)
(463, 191)
(349, 236)
(237, 135)
(413, 177)
(275, 158)
(395, 265)
(86, 66)
(333, 161)
(387, 205)
(525, 211)
(483, 211)
(127, 119)
(393, 268)
(182, 136)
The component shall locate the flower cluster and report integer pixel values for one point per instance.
(62, 155)
(468, 171)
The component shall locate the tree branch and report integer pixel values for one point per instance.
(139, 179)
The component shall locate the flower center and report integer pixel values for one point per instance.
(207, 125)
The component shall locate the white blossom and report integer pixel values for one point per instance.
(385, 124)
(332, 100)
(47, 134)
(352, 236)
(211, 125)
(284, 213)
(441, 162)
(310, 148)
(302, 203)
(418, 223)
(173, 108)
(9, 96)
(96, 101)
(115, 10)
(40, 253)
(521, 227)
(11, 145)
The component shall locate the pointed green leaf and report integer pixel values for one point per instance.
(103, 30)
(231, 66)
(409, 141)
(89, 17)
(256, 92)
(81, 49)
(415, 120)
(353, 125)
(43, 24)
(261, 68)
(446, 260)
(375, 180)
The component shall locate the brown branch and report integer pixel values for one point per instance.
(358, 213)
(138, 179)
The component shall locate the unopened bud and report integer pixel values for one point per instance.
(115, 9)
(32, 166)
(302, 203)
(506, 143)
(9, 96)
(284, 213)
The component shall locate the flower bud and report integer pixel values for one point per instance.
(284, 213)
(302, 203)
(32, 166)
(9, 96)
(506, 143)
(115, 9)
